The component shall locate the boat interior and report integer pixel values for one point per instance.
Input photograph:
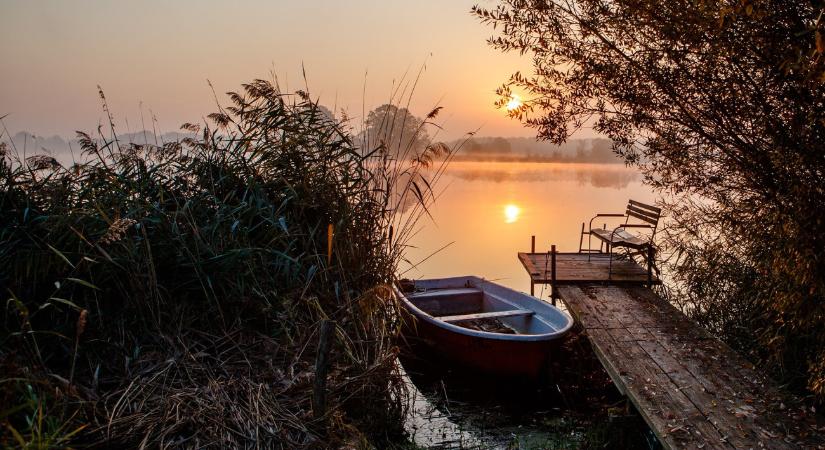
(460, 306)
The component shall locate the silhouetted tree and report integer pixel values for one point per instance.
(721, 103)
(401, 133)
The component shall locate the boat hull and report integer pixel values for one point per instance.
(491, 356)
(495, 354)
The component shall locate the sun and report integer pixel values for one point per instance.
(514, 102)
(511, 213)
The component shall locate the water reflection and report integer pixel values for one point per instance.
(596, 175)
(511, 213)
(453, 409)
(573, 406)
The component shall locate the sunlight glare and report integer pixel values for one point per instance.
(514, 103)
(511, 213)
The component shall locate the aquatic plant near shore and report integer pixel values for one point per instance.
(175, 294)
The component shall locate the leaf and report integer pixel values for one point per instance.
(61, 255)
(21, 308)
(66, 302)
(69, 435)
(84, 283)
(16, 435)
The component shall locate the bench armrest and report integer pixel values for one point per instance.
(603, 215)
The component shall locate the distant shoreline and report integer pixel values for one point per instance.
(531, 159)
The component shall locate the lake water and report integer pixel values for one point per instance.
(487, 212)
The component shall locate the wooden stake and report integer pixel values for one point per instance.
(319, 391)
(330, 233)
(553, 274)
(532, 250)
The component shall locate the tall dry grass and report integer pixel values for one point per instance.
(176, 294)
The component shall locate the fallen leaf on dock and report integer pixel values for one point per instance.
(744, 411)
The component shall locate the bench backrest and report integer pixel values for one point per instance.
(645, 213)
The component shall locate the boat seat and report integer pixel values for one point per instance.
(486, 315)
(443, 292)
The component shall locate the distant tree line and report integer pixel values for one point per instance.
(596, 150)
(67, 151)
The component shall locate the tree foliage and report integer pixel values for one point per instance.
(721, 103)
(397, 130)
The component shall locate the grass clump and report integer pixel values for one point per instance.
(174, 294)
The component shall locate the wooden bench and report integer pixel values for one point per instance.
(637, 216)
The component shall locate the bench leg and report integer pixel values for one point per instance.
(609, 262)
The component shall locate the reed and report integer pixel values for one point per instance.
(175, 294)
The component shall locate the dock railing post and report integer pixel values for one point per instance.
(532, 250)
(553, 274)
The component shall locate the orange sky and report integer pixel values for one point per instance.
(161, 53)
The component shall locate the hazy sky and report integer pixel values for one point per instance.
(53, 54)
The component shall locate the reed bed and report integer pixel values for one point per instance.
(227, 290)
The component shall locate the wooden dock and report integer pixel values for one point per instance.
(692, 390)
(581, 268)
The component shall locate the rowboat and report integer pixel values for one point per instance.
(481, 325)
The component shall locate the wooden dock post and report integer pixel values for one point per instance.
(553, 274)
(581, 239)
(532, 250)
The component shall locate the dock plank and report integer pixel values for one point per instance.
(674, 419)
(576, 268)
(693, 390)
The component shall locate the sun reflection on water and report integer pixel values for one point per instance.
(511, 213)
